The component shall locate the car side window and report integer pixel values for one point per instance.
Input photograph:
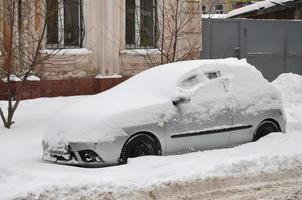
(208, 92)
(212, 74)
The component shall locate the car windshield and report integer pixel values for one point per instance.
(192, 80)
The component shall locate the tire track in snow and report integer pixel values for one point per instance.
(283, 184)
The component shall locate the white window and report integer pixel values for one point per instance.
(141, 23)
(219, 9)
(65, 24)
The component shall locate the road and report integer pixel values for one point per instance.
(279, 185)
(284, 185)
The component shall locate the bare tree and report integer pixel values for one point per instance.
(23, 31)
(176, 32)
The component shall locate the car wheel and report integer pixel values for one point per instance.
(265, 128)
(139, 145)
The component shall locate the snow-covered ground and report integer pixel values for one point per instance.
(23, 174)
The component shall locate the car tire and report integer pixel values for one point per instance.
(265, 128)
(139, 145)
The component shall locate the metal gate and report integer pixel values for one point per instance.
(273, 46)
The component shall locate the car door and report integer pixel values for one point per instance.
(202, 123)
(246, 96)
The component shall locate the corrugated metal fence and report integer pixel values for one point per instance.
(273, 46)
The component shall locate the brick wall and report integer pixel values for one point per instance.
(54, 88)
(133, 64)
(67, 66)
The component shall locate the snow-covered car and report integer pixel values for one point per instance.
(170, 109)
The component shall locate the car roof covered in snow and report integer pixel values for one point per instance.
(163, 78)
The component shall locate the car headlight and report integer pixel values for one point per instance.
(90, 156)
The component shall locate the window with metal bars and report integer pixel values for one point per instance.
(141, 22)
(65, 24)
(219, 9)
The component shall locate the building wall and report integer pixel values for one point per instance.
(210, 5)
(1, 27)
(102, 25)
(54, 88)
(135, 61)
(103, 47)
(1, 34)
(105, 39)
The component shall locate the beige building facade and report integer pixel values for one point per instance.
(216, 6)
(111, 38)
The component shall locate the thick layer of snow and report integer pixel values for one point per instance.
(214, 16)
(256, 6)
(22, 170)
(146, 97)
(290, 86)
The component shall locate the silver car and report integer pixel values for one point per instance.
(170, 109)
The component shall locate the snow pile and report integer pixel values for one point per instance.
(256, 6)
(33, 78)
(290, 86)
(100, 76)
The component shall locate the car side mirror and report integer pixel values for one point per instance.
(181, 100)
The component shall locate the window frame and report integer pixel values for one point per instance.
(219, 11)
(61, 27)
(137, 31)
(212, 75)
(204, 9)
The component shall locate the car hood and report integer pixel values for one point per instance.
(102, 117)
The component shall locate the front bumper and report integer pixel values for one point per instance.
(76, 154)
